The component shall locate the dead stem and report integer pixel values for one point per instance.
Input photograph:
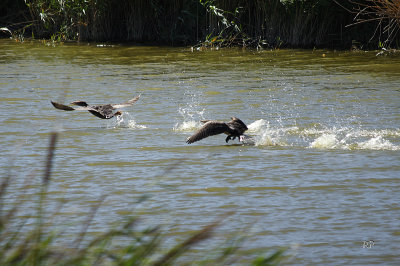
(203, 234)
(386, 12)
(50, 157)
(88, 222)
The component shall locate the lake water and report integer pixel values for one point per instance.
(320, 175)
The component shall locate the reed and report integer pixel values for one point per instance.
(25, 243)
(210, 23)
(385, 14)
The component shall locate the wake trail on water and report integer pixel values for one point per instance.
(261, 133)
(313, 136)
(343, 138)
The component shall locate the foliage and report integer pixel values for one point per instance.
(24, 244)
(224, 27)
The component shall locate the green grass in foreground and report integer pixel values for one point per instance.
(25, 243)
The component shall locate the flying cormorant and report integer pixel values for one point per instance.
(234, 128)
(102, 111)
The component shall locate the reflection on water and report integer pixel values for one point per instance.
(318, 168)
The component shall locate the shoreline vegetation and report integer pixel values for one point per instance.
(270, 24)
(32, 239)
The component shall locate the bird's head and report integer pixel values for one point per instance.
(237, 120)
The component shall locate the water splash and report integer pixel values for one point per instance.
(127, 122)
(316, 137)
(354, 139)
(377, 143)
(326, 141)
(191, 115)
(264, 135)
(187, 126)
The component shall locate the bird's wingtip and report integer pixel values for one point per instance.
(62, 106)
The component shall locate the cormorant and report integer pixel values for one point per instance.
(102, 111)
(234, 128)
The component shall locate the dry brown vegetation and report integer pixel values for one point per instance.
(385, 14)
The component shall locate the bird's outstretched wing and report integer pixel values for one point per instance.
(210, 128)
(128, 103)
(98, 114)
(80, 103)
(62, 106)
(69, 108)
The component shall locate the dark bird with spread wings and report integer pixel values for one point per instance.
(234, 128)
(102, 111)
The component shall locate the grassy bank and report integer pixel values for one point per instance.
(267, 23)
(33, 239)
